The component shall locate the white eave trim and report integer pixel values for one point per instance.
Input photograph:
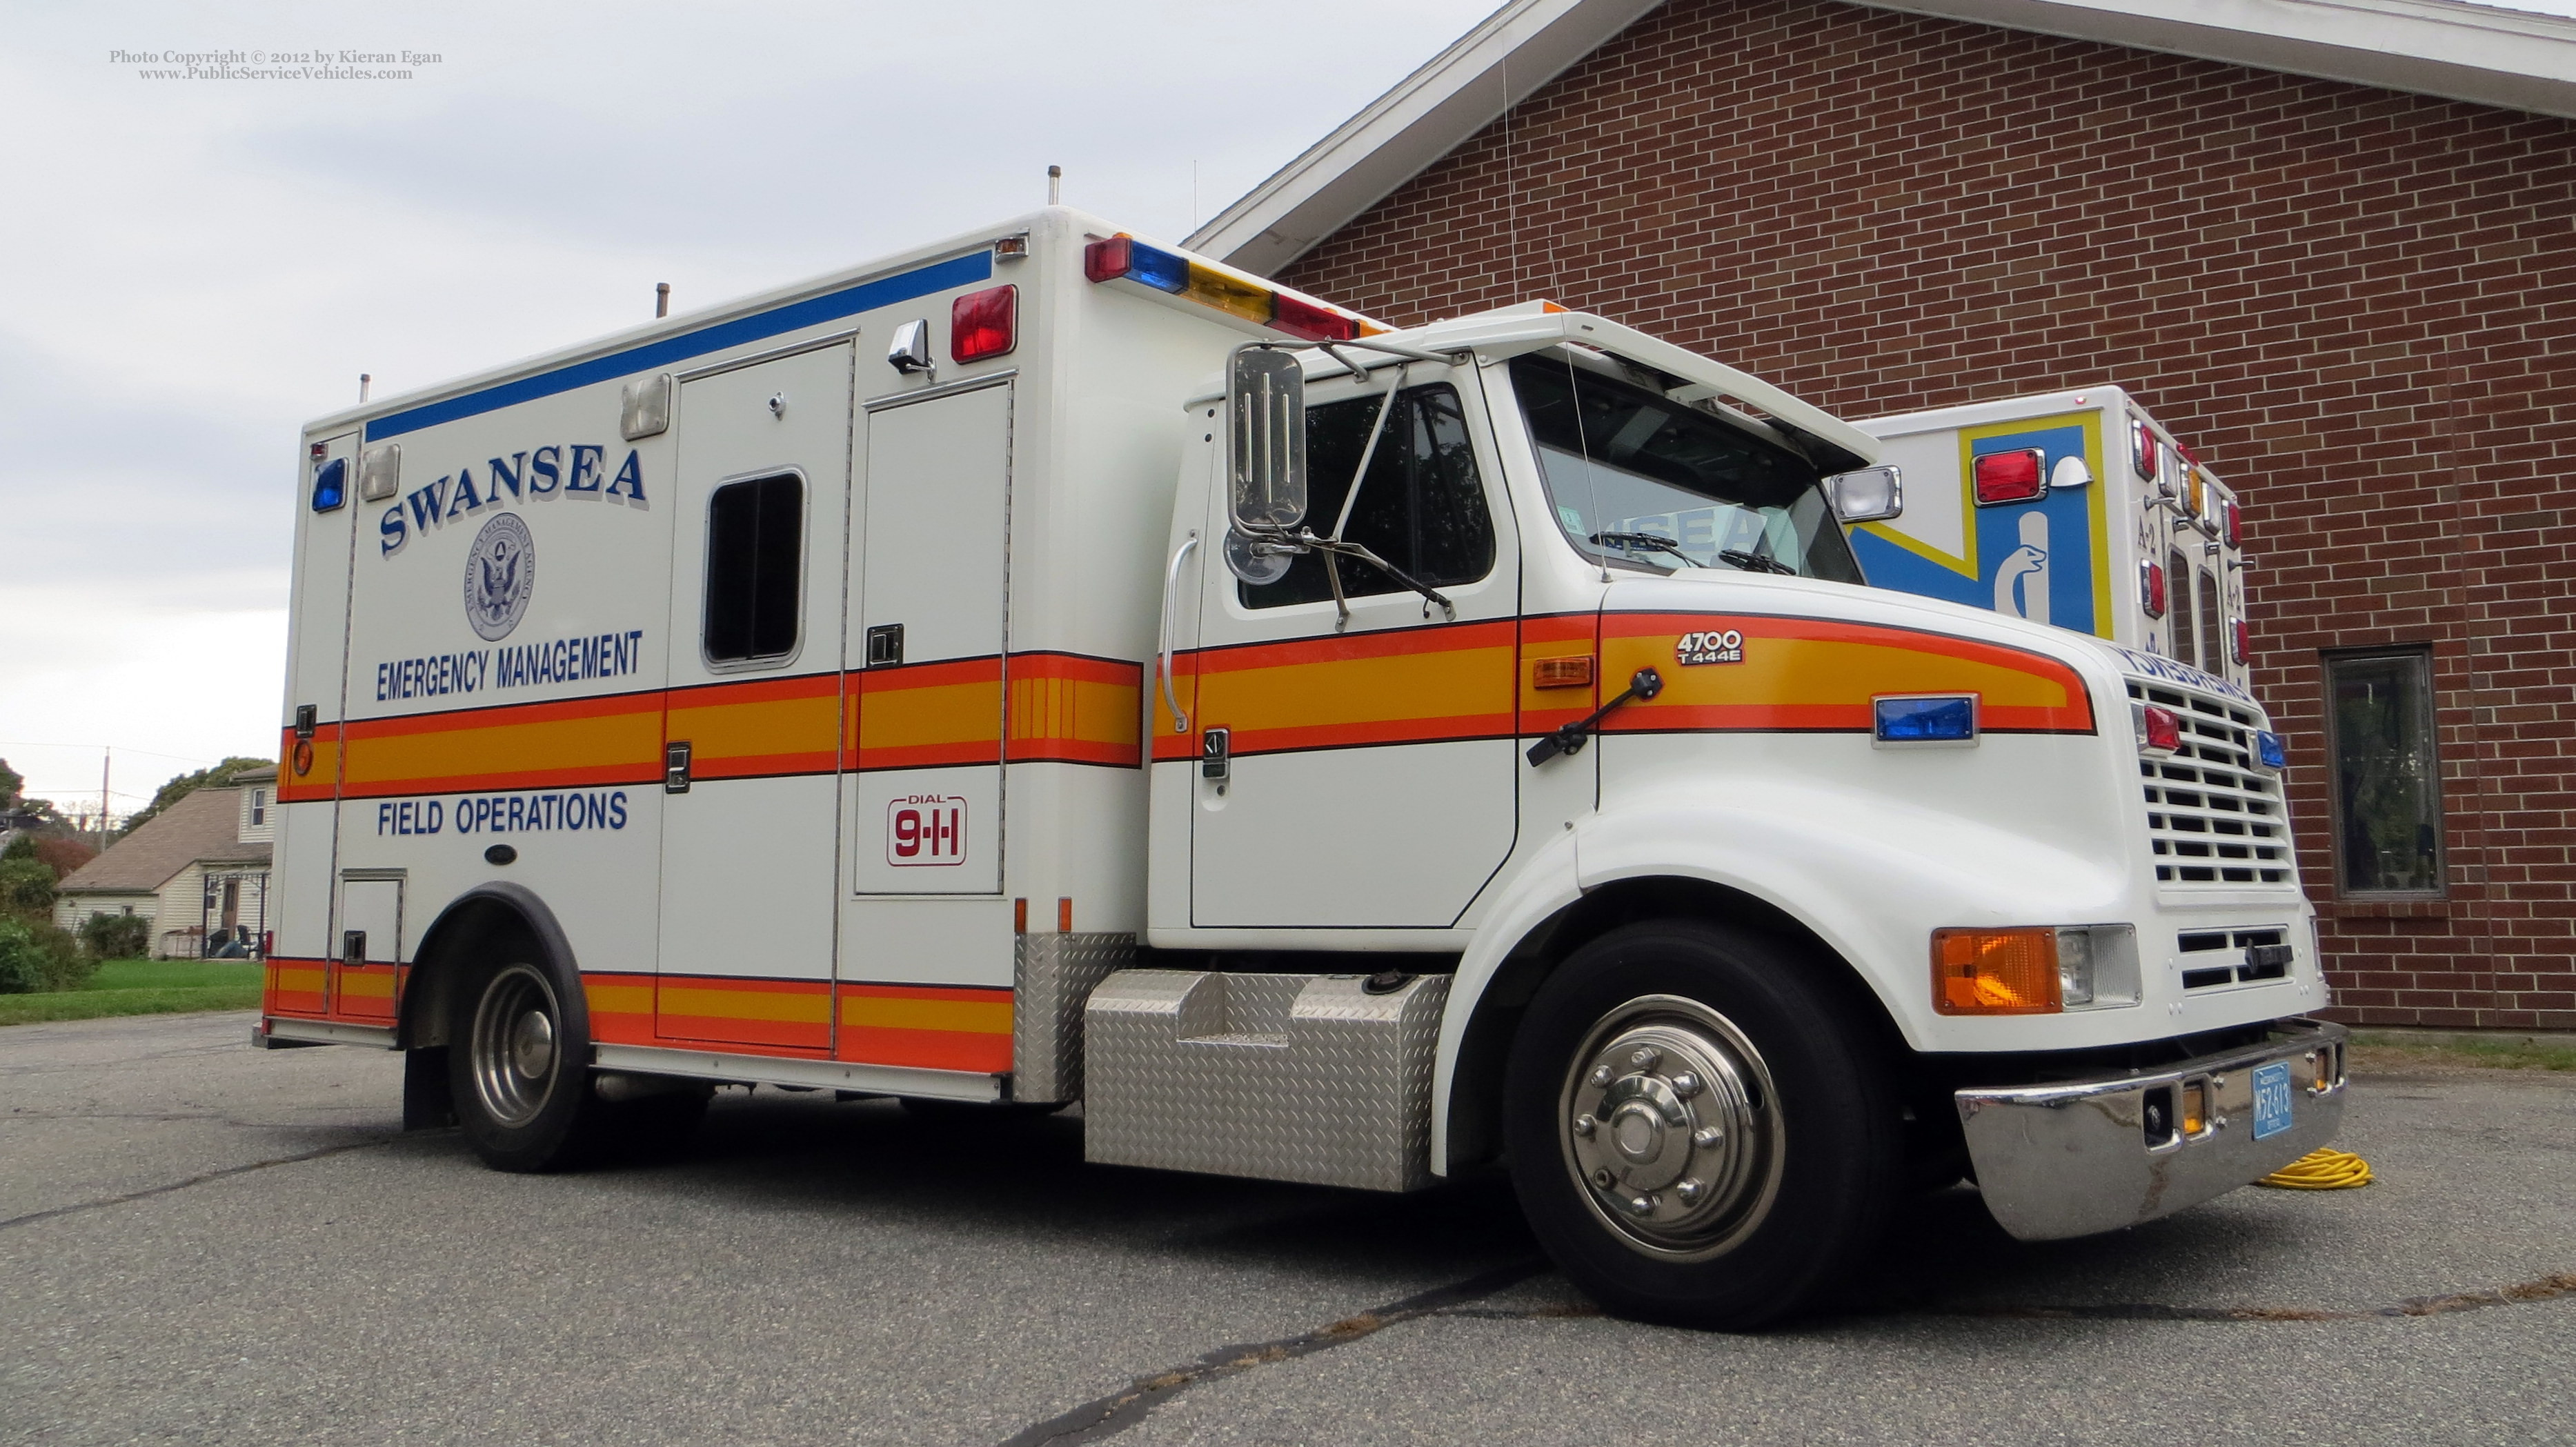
(2512, 59)
(1426, 116)
(2485, 54)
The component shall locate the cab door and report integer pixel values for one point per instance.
(1361, 773)
(751, 815)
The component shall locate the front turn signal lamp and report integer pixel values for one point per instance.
(2033, 970)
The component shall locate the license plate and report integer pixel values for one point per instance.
(2271, 1099)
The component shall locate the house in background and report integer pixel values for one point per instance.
(198, 871)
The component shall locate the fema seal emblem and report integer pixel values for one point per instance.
(500, 573)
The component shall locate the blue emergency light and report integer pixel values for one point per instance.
(331, 485)
(1945, 720)
(2271, 750)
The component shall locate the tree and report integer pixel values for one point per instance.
(220, 776)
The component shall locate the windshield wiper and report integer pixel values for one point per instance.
(1644, 542)
(1755, 562)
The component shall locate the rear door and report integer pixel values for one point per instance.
(299, 978)
(750, 821)
(1369, 771)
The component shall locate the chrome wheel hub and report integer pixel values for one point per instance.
(513, 1050)
(1671, 1127)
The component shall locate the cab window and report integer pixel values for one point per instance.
(755, 554)
(1421, 507)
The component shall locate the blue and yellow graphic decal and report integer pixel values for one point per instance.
(2048, 561)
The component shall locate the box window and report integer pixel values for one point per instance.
(2387, 775)
(755, 559)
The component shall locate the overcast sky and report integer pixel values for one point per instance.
(194, 268)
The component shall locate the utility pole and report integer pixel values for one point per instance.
(106, 757)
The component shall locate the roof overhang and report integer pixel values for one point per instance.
(1500, 63)
(2479, 53)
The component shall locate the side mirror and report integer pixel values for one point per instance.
(1873, 494)
(1265, 439)
(909, 352)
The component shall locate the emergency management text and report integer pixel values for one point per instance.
(521, 665)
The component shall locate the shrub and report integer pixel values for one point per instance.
(117, 936)
(26, 884)
(38, 957)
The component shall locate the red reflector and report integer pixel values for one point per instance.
(1105, 260)
(980, 323)
(1305, 319)
(2241, 642)
(2151, 589)
(2011, 477)
(2160, 731)
(2235, 523)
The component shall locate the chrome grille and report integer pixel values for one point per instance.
(2213, 818)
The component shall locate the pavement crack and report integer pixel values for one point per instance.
(1108, 1416)
(197, 1180)
(2544, 1288)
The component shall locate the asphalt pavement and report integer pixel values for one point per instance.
(200, 1242)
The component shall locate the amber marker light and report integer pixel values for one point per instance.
(1562, 672)
(1995, 971)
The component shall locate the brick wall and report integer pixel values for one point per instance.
(2357, 306)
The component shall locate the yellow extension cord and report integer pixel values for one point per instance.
(2321, 1170)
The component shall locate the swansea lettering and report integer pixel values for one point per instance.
(575, 470)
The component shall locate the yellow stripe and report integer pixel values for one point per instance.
(620, 999)
(772, 726)
(1449, 683)
(1072, 708)
(894, 1013)
(513, 748)
(1790, 672)
(797, 1008)
(366, 987)
(939, 714)
(282, 978)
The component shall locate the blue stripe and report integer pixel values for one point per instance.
(867, 296)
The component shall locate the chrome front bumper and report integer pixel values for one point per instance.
(2077, 1157)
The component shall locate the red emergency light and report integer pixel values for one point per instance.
(2240, 644)
(2159, 731)
(2142, 456)
(2232, 522)
(2151, 589)
(984, 323)
(2011, 477)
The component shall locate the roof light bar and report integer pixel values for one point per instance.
(1124, 258)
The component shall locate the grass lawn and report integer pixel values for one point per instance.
(2378, 1051)
(143, 987)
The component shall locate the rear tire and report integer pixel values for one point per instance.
(520, 1073)
(1698, 1134)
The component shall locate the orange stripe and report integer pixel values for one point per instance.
(924, 714)
(565, 742)
(759, 727)
(985, 1047)
(1066, 708)
(1813, 674)
(292, 986)
(1416, 685)
(318, 781)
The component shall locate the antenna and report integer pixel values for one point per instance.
(363, 379)
(1055, 185)
(661, 299)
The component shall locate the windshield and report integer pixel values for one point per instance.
(1636, 478)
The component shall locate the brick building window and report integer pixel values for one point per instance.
(2387, 777)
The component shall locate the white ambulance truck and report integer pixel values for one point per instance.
(1050, 667)
(2073, 508)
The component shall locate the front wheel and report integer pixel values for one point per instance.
(1697, 1132)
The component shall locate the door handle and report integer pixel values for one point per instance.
(1216, 756)
(1171, 585)
(675, 767)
